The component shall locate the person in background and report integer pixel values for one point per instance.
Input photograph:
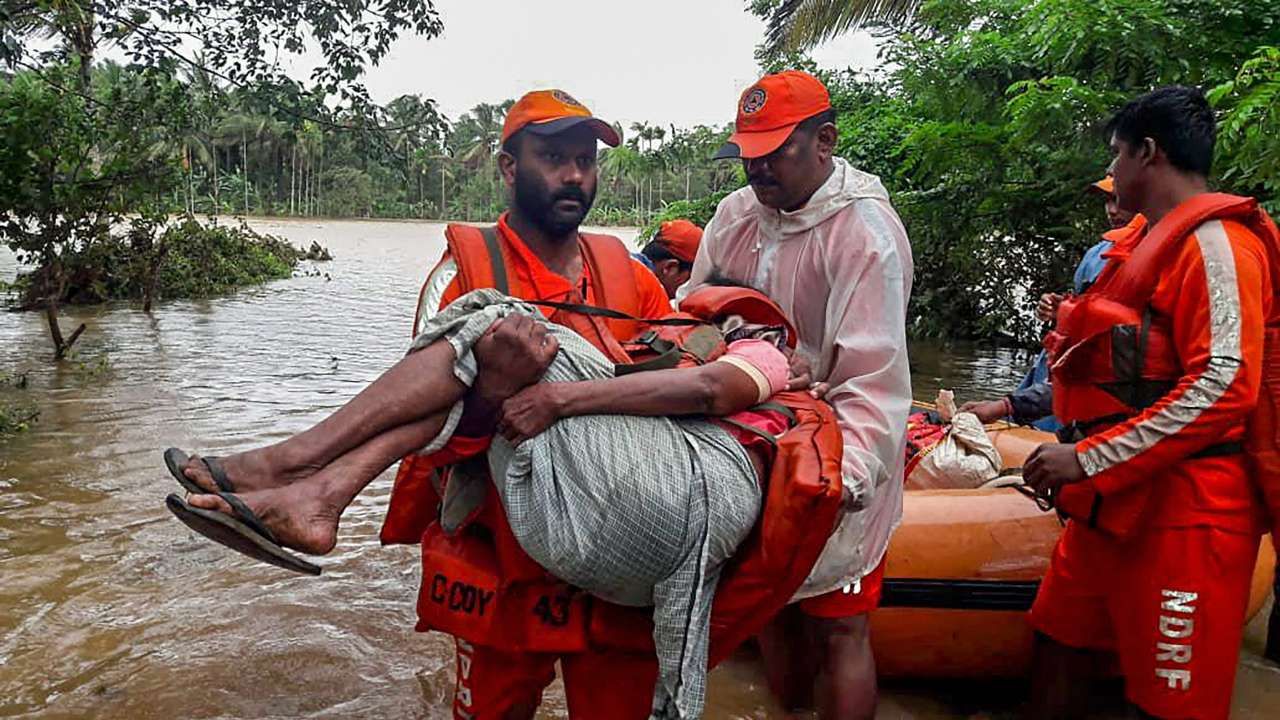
(671, 252)
(1032, 402)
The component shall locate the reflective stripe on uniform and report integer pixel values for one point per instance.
(1225, 360)
(433, 291)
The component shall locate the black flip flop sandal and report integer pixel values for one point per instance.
(175, 460)
(243, 533)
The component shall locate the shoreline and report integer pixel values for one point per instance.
(398, 220)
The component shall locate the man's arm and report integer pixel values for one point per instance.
(715, 389)
(866, 327)
(1220, 290)
(1031, 403)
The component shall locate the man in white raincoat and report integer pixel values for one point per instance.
(822, 240)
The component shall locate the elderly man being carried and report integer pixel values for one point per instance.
(636, 488)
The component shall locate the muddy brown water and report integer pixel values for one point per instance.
(109, 608)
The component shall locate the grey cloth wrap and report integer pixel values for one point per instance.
(635, 510)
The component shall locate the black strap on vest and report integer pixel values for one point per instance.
(768, 436)
(1144, 336)
(604, 312)
(668, 356)
(1225, 449)
(778, 408)
(499, 264)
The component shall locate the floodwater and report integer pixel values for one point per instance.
(110, 608)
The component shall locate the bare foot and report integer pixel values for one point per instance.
(297, 514)
(258, 469)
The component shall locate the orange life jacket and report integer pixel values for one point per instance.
(478, 560)
(479, 585)
(688, 338)
(1110, 357)
(481, 258)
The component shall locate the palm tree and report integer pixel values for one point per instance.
(245, 126)
(199, 143)
(445, 174)
(72, 21)
(475, 140)
(624, 161)
(803, 24)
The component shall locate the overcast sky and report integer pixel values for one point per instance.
(661, 61)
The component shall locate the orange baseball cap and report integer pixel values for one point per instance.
(681, 238)
(770, 110)
(550, 112)
(1106, 185)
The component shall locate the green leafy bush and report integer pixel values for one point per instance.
(16, 411)
(195, 260)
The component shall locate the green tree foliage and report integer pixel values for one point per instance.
(70, 170)
(17, 412)
(85, 145)
(351, 191)
(1249, 134)
(200, 260)
(987, 130)
(241, 41)
(801, 24)
(657, 169)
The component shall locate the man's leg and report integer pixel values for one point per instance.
(418, 386)
(1272, 652)
(304, 515)
(790, 663)
(614, 684)
(836, 627)
(513, 354)
(821, 662)
(1074, 630)
(1180, 619)
(1062, 679)
(492, 684)
(846, 683)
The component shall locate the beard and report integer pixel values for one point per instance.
(538, 203)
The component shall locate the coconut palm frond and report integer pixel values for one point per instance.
(803, 24)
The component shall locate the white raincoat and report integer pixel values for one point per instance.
(840, 267)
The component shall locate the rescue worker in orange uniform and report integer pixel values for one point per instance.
(1156, 370)
(671, 252)
(549, 163)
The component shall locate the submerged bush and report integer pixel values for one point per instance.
(16, 412)
(185, 260)
(203, 260)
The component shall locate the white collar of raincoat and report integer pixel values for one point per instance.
(845, 186)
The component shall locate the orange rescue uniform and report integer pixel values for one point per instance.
(1163, 578)
(490, 680)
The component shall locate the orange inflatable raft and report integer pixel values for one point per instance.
(963, 569)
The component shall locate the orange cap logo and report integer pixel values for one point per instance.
(753, 100)
(567, 99)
